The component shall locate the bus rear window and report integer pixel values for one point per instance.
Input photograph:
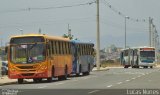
(22, 40)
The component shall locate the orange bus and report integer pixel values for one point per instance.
(37, 56)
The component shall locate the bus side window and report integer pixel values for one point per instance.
(63, 48)
(90, 49)
(61, 43)
(67, 49)
(78, 49)
(81, 49)
(57, 47)
(50, 48)
(52, 44)
(84, 48)
(60, 48)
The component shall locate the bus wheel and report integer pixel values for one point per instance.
(65, 73)
(151, 66)
(52, 73)
(125, 66)
(88, 72)
(89, 68)
(36, 80)
(49, 79)
(78, 74)
(64, 77)
(20, 81)
(145, 67)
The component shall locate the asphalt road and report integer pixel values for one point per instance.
(114, 81)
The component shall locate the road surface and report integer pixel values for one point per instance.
(97, 83)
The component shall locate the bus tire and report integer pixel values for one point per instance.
(37, 80)
(151, 66)
(88, 72)
(52, 73)
(78, 74)
(64, 77)
(125, 66)
(49, 79)
(20, 81)
(65, 73)
(145, 67)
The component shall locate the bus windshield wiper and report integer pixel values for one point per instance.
(32, 46)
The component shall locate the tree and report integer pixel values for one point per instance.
(69, 36)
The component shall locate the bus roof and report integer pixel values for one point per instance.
(43, 35)
(80, 42)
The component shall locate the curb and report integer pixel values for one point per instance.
(7, 83)
(104, 69)
(13, 82)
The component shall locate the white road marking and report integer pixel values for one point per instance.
(133, 78)
(86, 77)
(127, 80)
(139, 76)
(119, 83)
(42, 87)
(75, 80)
(109, 86)
(93, 91)
(59, 83)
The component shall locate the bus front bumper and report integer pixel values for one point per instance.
(28, 75)
(146, 64)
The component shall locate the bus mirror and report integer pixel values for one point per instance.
(6, 49)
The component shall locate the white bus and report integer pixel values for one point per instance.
(138, 57)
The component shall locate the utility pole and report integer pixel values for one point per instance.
(69, 31)
(126, 17)
(98, 39)
(150, 23)
(21, 30)
(39, 31)
(153, 35)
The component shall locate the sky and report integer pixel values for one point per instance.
(53, 16)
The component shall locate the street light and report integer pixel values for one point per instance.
(126, 17)
(21, 31)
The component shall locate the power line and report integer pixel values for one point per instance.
(47, 8)
(121, 14)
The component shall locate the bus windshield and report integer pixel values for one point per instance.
(147, 56)
(27, 53)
